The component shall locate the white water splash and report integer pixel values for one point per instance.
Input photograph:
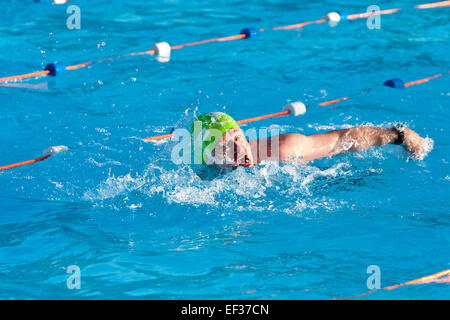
(268, 187)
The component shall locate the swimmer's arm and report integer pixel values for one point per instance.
(335, 142)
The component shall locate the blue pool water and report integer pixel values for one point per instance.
(139, 226)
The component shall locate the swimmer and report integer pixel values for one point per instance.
(224, 144)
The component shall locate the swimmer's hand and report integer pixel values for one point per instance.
(415, 144)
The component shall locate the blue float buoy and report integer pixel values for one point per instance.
(250, 32)
(395, 83)
(55, 68)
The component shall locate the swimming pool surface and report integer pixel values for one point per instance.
(140, 227)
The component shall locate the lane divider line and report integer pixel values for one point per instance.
(393, 83)
(333, 19)
(50, 151)
(421, 280)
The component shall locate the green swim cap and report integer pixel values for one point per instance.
(206, 131)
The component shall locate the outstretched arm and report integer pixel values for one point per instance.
(346, 140)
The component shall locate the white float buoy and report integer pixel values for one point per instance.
(54, 150)
(333, 19)
(295, 108)
(162, 51)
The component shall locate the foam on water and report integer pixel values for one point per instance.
(279, 188)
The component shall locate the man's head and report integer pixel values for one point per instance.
(219, 141)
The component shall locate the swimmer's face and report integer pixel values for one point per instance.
(233, 150)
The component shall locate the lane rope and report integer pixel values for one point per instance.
(393, 83)
(422, 280)
(333, 18)
(50, 151)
